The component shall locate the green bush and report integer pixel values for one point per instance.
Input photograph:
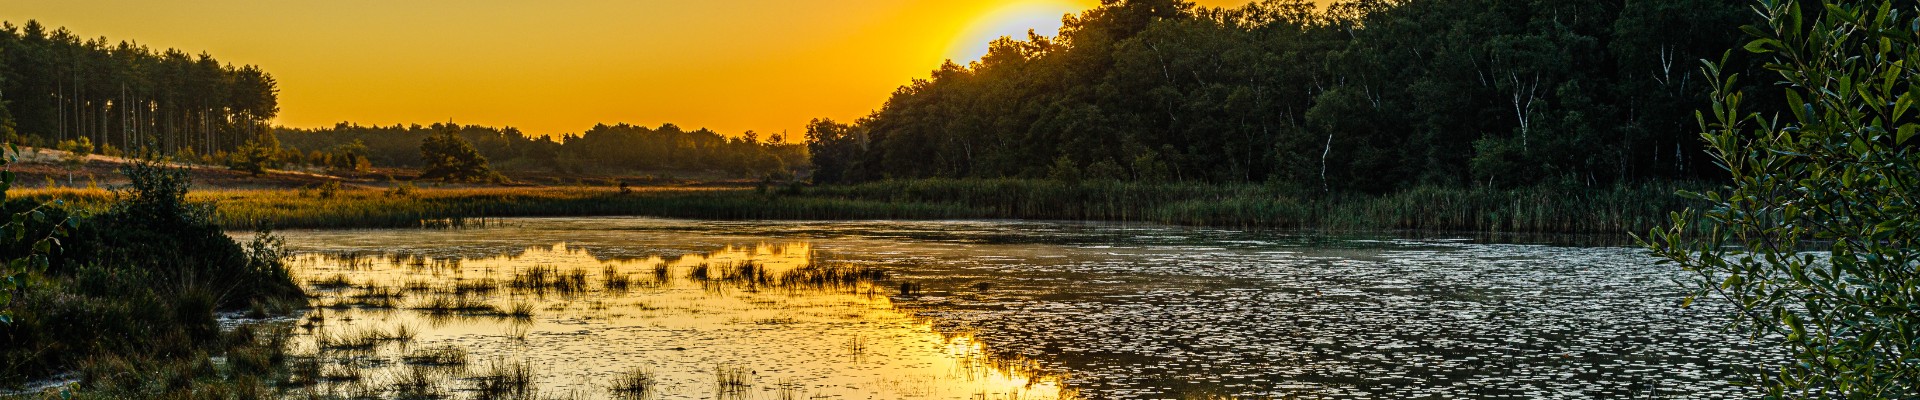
(138, 282)
(1816, 242)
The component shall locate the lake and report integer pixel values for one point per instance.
(680, 309)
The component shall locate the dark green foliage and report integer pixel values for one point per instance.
(1817, 240)
(1363, 96)
(448, 156)
(142, 278)
(603, 148)
(29, 235)
(57, 86)
(258, 154)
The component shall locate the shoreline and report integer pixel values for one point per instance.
(1539, 210)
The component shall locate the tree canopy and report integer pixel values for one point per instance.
(1366, 95)
(56, 86)
(603, 147)
(448, 156)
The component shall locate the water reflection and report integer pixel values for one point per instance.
(996, 309)
(762, 321)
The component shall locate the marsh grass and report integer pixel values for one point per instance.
(520, 311)
(418, 383)
(732, 382)
(505, 379)
(832, 276)
(441, 356)
(615, 281)
(543, 279)
(637, 383)
(1622, 208)
(337, 281)
(371, 296)
(449, 304)
(362, 340)
(475, 287)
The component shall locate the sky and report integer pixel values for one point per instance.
(561, 66)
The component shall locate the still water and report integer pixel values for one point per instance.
(679, 309)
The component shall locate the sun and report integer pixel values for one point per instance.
(1013, 19)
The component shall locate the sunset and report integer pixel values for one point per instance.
(561, 67)
(959, 199)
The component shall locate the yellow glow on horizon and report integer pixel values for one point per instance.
(562, 66)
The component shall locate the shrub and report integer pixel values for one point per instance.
(1837, 175)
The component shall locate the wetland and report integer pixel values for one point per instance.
(633, 307)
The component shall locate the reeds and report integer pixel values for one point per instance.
(456, 305)
(1620, 208)
(615, 281)
(362, 340)
(505, 380)
(831, 276)
(636, 383)
(442, 356)
(732, 382)
(541, 279)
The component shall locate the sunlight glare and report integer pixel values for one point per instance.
(1013, 19)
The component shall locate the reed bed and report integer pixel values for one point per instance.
(442, 356)
(363, 340)
(1628, 208)
(505, 380)
(457, 305)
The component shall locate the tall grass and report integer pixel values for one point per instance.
(1541, 209)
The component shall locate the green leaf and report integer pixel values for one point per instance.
(1836, 10)
(1760, 45)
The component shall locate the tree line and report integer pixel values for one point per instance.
(1362, 95)
(603, 148)
(56, 86)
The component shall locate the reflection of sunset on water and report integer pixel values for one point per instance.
(1025, 309)
(686, 318)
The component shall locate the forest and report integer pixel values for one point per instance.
(56, 86)
(601, 149)
(1365, 96)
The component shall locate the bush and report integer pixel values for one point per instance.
(1837, 175)
(140, 280)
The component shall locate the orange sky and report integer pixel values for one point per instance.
(559, 66)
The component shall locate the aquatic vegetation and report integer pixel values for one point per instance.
(731, 382)
(417, 383)
(833, 276)
(440, 356)
(504, 379)
(475, 287)
(520, 310)
(362, 340)
(457, 304)
(615, 281)
(637, 383)
(1039, 310)
(1540, 209)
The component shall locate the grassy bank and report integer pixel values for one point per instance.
(1543, 209)
(1526, 210)
(366, 208)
